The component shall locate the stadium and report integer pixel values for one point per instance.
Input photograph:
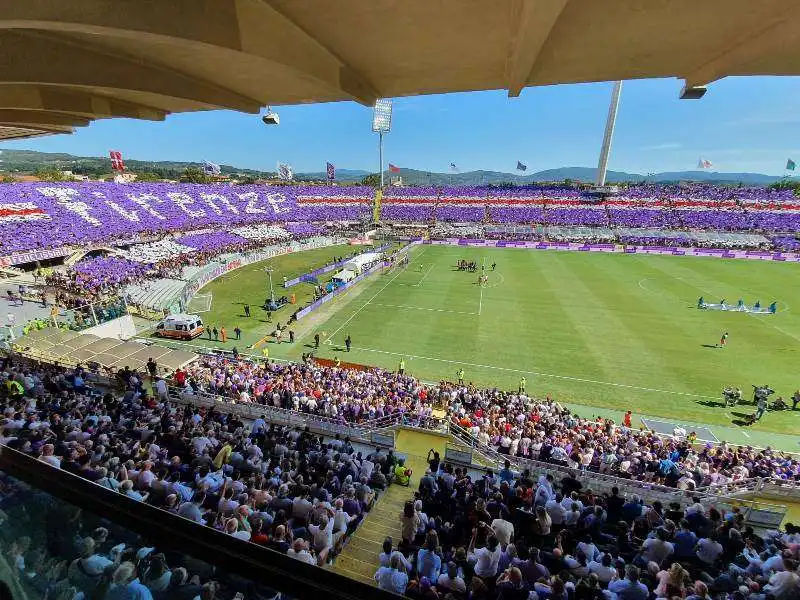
(553, 390)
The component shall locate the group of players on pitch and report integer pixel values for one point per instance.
(472, 267)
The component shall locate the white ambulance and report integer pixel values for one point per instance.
(180, 327)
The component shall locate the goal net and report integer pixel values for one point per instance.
(200, 303)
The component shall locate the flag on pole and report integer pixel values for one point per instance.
(285, 172)
(210, 168)
(453, 167)
(704, 164)
(521, 166)
(393, 168)
(116, 160)
(790, 164)
(331, 170)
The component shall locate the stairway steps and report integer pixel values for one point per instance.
(356, 565)
(357, 542)
(353, 574)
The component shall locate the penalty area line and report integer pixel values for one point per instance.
(538, 374)
(441, 310)
(419, 283)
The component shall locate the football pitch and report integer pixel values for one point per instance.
(604, 331)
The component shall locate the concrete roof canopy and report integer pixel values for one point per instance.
(67, 63)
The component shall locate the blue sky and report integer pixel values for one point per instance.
(742, 124)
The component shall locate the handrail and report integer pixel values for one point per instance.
(291, 418)
(249, 561)
(537, 465)
(493, 459)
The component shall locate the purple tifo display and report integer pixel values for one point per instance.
(36, 216)
(214, 240)
(49, 215)
(107, 271)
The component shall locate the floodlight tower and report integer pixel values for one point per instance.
(611, 121)
(268, 271)
(382, 123)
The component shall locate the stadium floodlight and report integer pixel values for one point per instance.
(608, 135)
(382, 116)
(382, 123)
(268, 271)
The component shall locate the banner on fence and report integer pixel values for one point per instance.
(609, 247)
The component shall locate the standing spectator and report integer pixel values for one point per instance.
(409, 523)
(392, 578)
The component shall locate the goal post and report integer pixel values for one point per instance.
(200, 303)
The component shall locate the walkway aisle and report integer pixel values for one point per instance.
(359, 558)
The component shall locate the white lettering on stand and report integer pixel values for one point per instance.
(184, 201)
(146, 201)
(251, 208)
(64, 196)
(275, 200)
(131, 215)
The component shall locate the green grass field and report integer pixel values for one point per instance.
(603, 331)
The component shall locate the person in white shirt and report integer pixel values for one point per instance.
(47, 456)
(299, 551)
(603, 569)
(486, 559)
(503, 531)
(232, 529)
(322, 535)
(658, 548)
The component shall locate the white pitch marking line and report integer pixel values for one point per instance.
(378, 293)
(441, 310)
(419, 283)
(566, 377)
(745, 434)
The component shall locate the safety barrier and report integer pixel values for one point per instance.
(290, 418)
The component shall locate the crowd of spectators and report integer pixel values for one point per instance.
(512, 536)
(346, 395)
(503, 535)
(286, 489)
(513, 424)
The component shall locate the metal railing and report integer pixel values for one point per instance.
(287, 417)
(488, 457)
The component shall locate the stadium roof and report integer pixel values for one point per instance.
(66, 63)
(71, 347)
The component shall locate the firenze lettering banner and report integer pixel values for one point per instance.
(47, 215)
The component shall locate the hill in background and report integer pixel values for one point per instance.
(29, 161)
